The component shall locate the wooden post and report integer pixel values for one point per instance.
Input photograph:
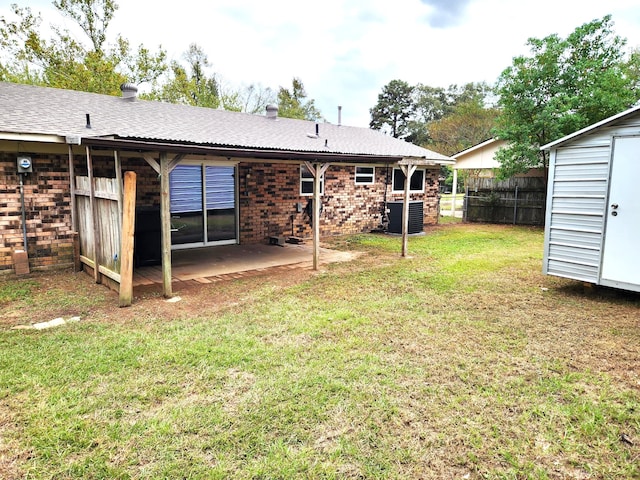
(317, 170)
(316, 218)
(72, 187)
(127, 233)
(408, 172)
(77, 264)
(165, 224)
(454, 191)
(118, 168)
(94, 218)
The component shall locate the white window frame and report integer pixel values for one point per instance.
(365, 178)
(308, 179)
(418, 171)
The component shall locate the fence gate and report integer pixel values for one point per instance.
(99, 225)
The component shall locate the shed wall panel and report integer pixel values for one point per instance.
(577, 200)
(582, 205)
(574, 271)
(578, 239)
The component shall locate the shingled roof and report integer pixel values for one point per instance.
(28, 109)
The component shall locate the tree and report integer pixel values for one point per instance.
(468, 124)
(395, 109)
(63, 61)
(190, 85)
(434, 105)
(292, 104)
(563, 86)
(254, 98)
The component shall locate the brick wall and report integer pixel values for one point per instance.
(270, 193)
(48, 211)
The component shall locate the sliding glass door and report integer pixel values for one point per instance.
(203, 205)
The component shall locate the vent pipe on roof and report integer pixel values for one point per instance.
(88, 120)
(272, 111)
(339, 115)
(129, 90)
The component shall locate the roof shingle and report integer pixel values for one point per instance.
(40, 110)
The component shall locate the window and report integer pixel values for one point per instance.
(416, 184)
(306, 182)
(365, 175)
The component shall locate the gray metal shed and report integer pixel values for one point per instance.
(592, 225)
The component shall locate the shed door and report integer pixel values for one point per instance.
(620, 258)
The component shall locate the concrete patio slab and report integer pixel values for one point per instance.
(207, 264)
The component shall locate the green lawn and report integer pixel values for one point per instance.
(462, 361)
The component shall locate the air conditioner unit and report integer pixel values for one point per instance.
(416, 217)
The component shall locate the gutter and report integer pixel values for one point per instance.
(136, 145)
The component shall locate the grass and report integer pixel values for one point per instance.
(462, 361)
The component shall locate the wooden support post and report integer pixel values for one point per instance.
(408, 172)
(94, 218)
(454, 192)
(118, 168)
(77, 264)
(72, 189)
(317, 170)
(165, 224)
(316, 219)
(127, 233)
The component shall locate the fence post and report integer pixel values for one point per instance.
(465, 203)
(515, 207)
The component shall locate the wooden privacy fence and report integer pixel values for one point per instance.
(516, 206)
(100, 219)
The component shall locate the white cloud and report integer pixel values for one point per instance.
(345, 51)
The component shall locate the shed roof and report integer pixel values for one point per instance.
(28, 109)
(590, 128)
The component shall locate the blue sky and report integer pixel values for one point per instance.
(345, 51)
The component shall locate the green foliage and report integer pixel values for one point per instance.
(64, 61)
(447, 120)
(92, 64)
(253, 98)
(564, 85)
(293, 104)
(468, 124)
(192, 86)
(395, 109)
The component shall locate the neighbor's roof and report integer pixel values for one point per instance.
(477, 146)
(590, 128)
(28, 109)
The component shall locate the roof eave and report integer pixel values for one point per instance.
(32, 137)
(590, 128)
(243, 152)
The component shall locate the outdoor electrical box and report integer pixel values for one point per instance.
(25, 165)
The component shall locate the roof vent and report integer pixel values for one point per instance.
(272, 111)
(129, 90)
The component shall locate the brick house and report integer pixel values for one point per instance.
(232, 177)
